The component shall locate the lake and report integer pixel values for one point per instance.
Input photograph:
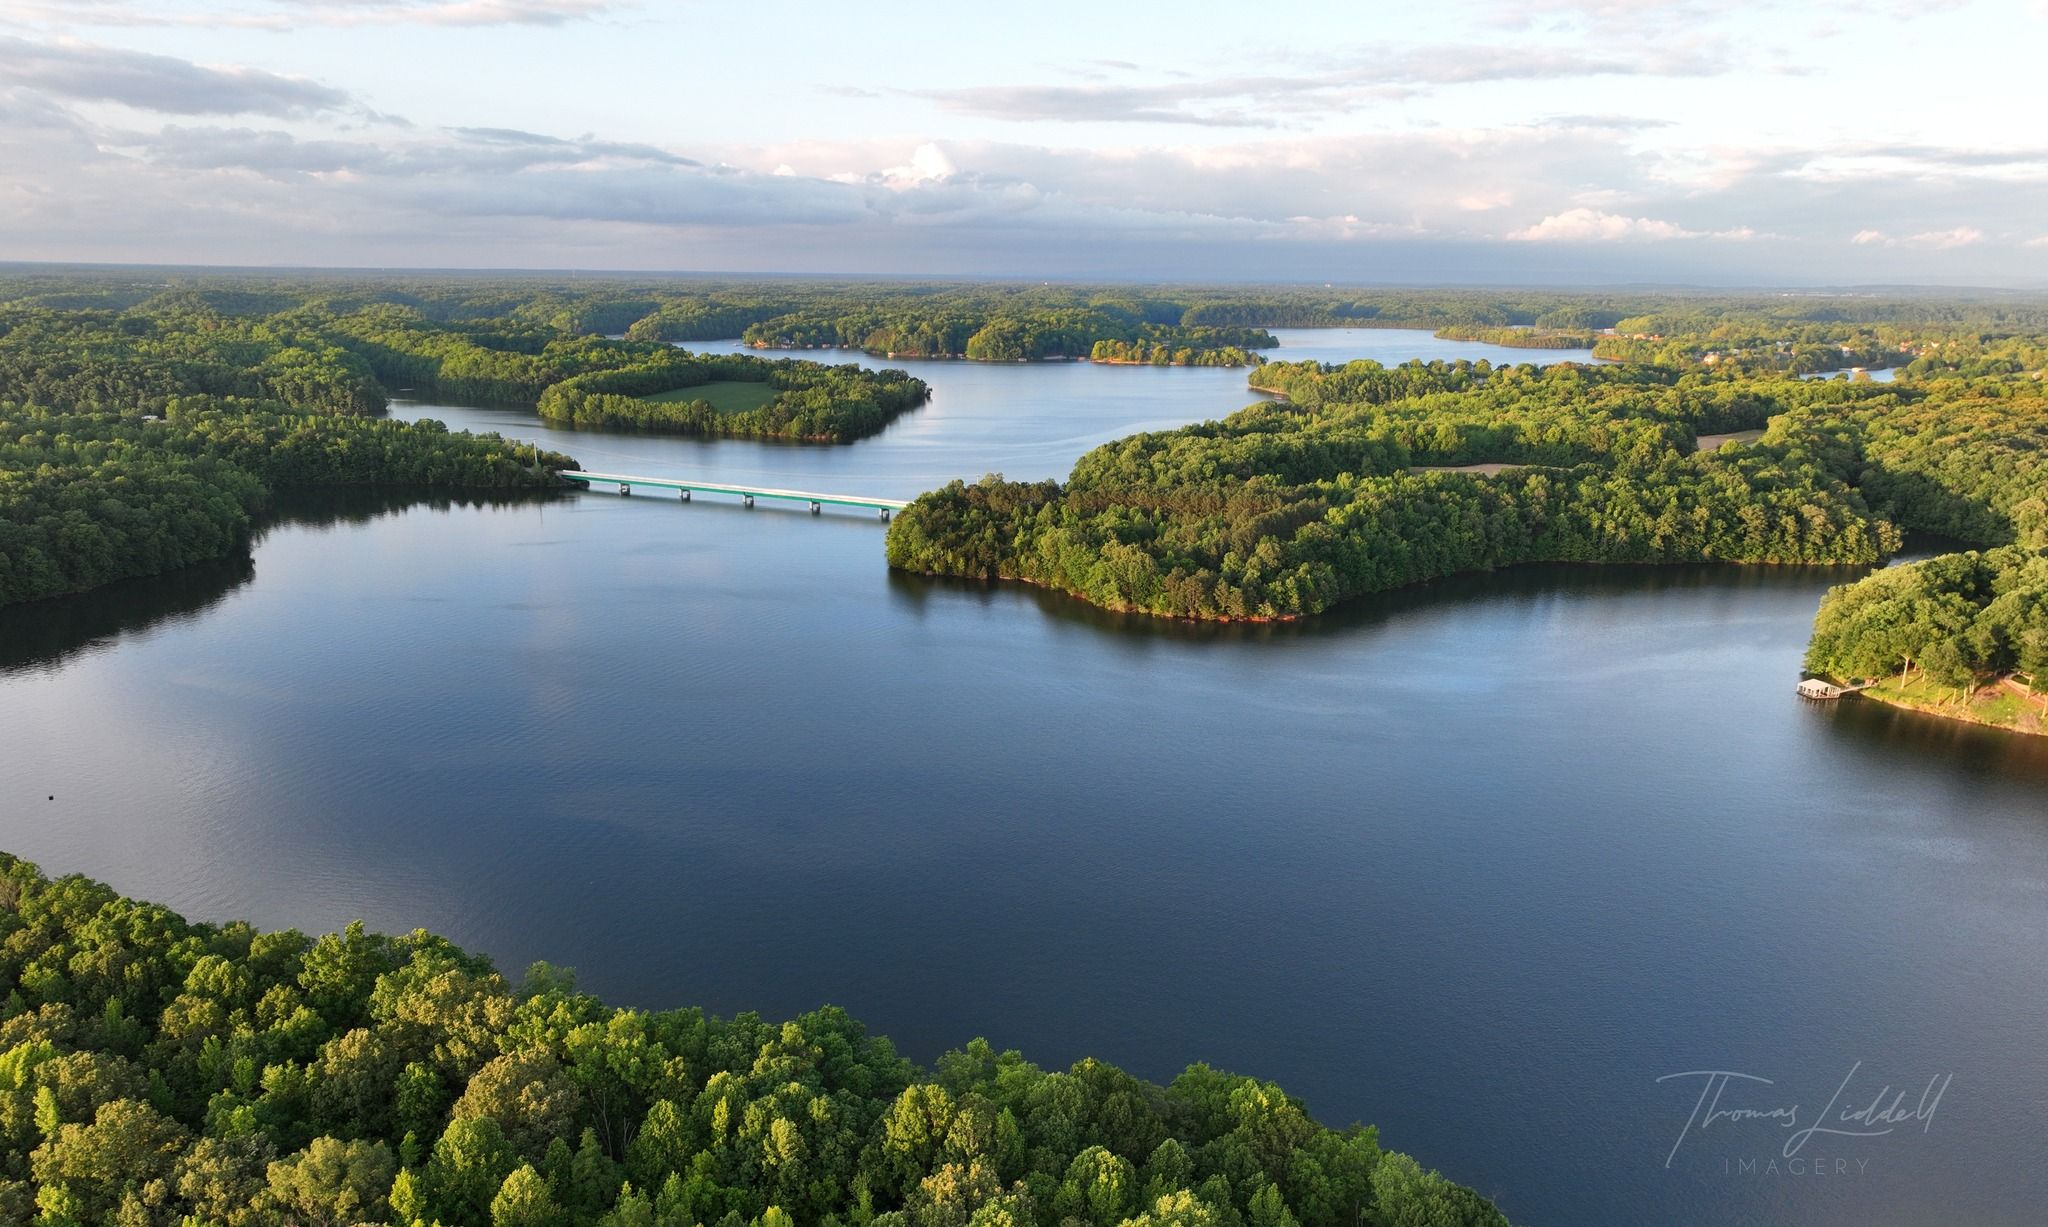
(1479, 861)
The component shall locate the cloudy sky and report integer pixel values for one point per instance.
(1502, 141)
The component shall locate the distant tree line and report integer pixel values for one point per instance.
(1944, 340)
(491, 362)
(1518, 337)
(947, 327)
(101, 360)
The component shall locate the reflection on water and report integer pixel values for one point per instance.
(1532, 581)
(1881, 734)
(43, 633)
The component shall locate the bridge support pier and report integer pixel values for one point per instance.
(885, 513)
(815, 509)
(748, 498)
(624, 488)
(686, 496)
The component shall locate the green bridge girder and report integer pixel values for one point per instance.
(626, 482)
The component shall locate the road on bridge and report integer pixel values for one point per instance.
(626, 482)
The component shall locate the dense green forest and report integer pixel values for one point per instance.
(1963, 635)
(89, 498)
(133, 443)
(156, 1072)
(835, 404)
(1958, 618)
(136, 438)
(1162, 353)
(1518, 337)
(1105, 329)
(1285, 509)
(590, 381)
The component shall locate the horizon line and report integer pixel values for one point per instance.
(1837, 288)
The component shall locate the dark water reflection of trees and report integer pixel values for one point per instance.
(44, 634)
(1877, 731)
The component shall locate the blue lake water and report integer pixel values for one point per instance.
(1478, 861)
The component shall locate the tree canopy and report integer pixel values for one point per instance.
(156, 1072)
(1285, 509)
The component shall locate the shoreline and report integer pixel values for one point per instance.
(1957, 711)
(1951, 712)
(1200, 619)
(888, 356)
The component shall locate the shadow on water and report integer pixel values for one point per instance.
(1876, 733)
(1529, 581)
(1879, 735)
(344, 505)
(41, 634)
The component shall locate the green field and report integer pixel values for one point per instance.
(726, 396)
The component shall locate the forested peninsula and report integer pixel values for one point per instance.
(1287, 508)
(135, 444)
(1962, 635)
(156, 1071)
(594, 381)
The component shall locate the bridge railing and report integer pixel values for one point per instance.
(747, 494)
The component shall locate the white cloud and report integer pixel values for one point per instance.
(1345, 82)
(1934, 240)
(297, 176)
(1945, 240)
(1485, 201)
(928, 164)
(88, 73)
(298, 14)
(1592, 226)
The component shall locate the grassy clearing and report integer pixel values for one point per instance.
(1708, 443)
(726, 396)
(2000, 705)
